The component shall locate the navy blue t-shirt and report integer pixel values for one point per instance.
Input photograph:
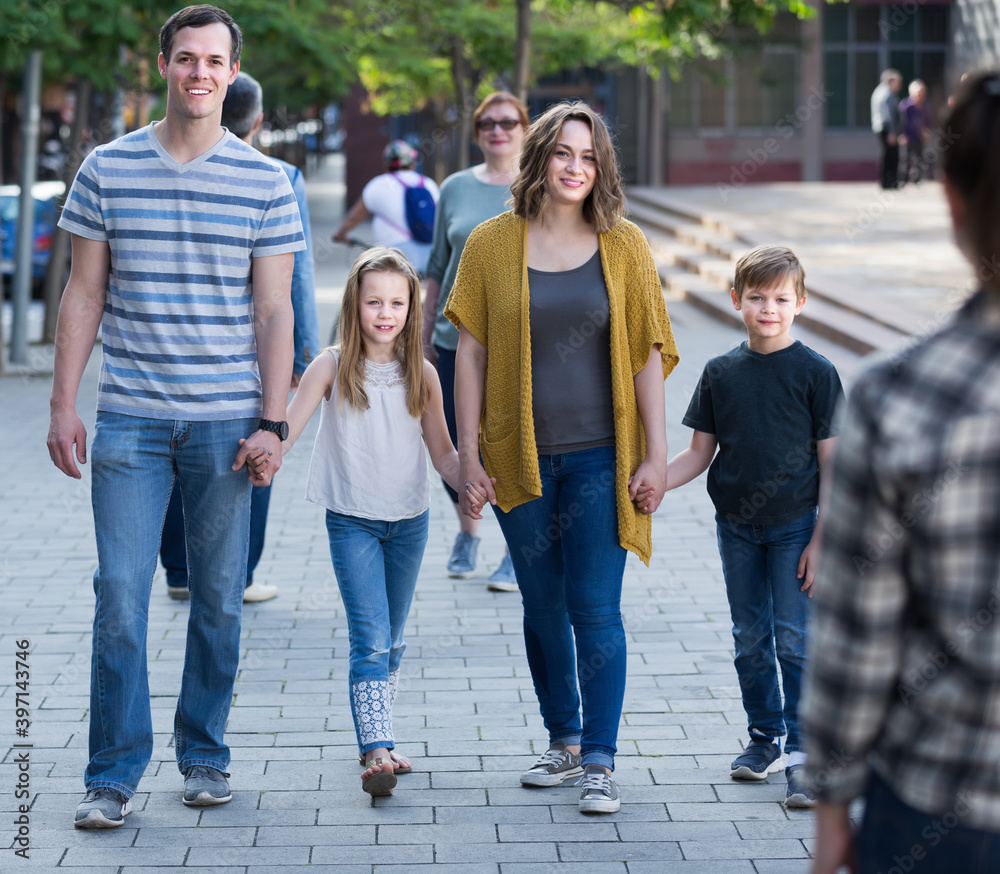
(767, 412)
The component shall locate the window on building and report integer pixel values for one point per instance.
(859, 41)
(751, 91)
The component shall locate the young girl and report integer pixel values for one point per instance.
(369, 469)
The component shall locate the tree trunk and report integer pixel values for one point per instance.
(522, 67)
(3, 112)
(465, 95)
(55, 275)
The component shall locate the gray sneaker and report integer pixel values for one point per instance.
(503, 578)
(462, 563)
(600, 792)
(204, 786)
(556, 765)
(102, 808)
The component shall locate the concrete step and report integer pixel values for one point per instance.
(856, 333)
(711, 240)
(696, 262)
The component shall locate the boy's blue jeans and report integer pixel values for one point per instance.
(769, 613)
(376, 564)
(135, 461)
(569, 565)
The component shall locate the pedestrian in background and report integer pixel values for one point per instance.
(574, 434)
(918, 126)
(243, 114)
(468, 198)
(902, 700)
(183, 240)
(887, 126)
(383, 200)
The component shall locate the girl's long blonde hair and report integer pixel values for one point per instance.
(408, 347)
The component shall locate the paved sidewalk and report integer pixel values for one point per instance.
(466, 714)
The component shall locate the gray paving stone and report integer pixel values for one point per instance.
(582, 867)
(466, 853)
(782, 866)
(731, 867)
(740, 849)
(151, 856)
(620, 852)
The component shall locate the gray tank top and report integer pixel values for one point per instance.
(571, 359)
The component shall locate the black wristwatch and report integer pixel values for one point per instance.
(279, 428)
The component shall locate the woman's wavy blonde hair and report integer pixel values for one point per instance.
(408, 347)
(605, 205)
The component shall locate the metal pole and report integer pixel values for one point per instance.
(30, 117)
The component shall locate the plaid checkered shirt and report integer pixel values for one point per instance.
(904, 672)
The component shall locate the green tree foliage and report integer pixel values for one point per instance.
(420, 51)
(295, 47)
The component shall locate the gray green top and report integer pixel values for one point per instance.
(571, 359)
(465, 202)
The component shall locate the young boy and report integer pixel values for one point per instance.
(768, 405)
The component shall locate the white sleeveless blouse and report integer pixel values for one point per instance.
(370, 463)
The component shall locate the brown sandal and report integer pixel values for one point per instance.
(380, 782)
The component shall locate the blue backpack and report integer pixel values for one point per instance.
(420, 209)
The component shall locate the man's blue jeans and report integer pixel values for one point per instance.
(376, 564)
(896, 837)
(569, 565)
(135, 461)
(769, 615)
(173, 553)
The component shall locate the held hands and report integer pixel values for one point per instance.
(262, 454)
(647, 486)
(477, 489)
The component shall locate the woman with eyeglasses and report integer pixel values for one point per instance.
(468, 198)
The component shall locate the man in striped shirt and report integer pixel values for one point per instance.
(183, 245)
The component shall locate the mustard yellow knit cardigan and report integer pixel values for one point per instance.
(490, 297)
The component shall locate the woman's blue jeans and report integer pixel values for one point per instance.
(569, 565)
(135, 461)
(769, 613)
(376, 564)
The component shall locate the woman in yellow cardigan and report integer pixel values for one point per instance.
(560, 392)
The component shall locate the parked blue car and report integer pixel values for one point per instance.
(46, 195)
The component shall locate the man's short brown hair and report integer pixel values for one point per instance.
(200, 16)
(765, 267)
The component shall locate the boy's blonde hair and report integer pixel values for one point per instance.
(408, 346)
(765, 267)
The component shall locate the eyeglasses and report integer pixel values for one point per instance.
(487, 124)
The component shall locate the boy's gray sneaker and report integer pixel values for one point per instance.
(462, 563)
(759, 758)
(798, 792)
(503, 578)
(556, 765)
(103, 807)
(600, 792)
(204, 786)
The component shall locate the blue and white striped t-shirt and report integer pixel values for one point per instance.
(177, 331)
